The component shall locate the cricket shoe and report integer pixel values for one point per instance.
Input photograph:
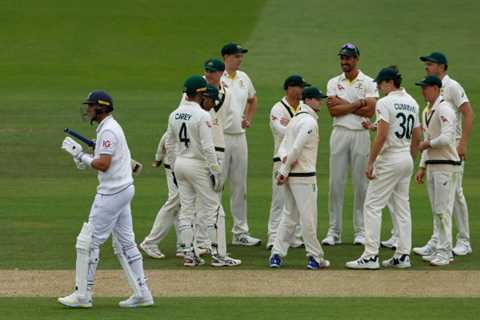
(179, 253)
(462, 248)
(440, 260)
(313, 264)
(275, 261)
(152, 251)
(245, 240)
(426, 250)
(137, 301)
(74, 301)
(364, 263)
(331, 240)
(390, 243)
(359, 240)
(401, 262)
(218, 261)
(434, 255)
(191, 260)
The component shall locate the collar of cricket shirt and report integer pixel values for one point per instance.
(101, 124)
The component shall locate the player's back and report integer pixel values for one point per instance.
(400, 111)
(185, 128)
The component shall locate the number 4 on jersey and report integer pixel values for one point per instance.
(183, 135)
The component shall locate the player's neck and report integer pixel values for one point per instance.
(352, 74)
(442, 75)
(231, 72)
(293, 102)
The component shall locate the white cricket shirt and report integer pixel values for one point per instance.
(453, 92)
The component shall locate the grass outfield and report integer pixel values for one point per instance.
(55, 52)
(248, 308)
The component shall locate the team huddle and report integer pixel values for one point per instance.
(205, 145)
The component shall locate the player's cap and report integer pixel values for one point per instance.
(214, 65)
(295, 81)
(435, 57)
(211, 92)
(349, 50)
(313, 93)
(233, 48)
(430, 81)
(388, 73)
(100, 98)
(195, 84)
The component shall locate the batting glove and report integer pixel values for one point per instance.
(72, 147)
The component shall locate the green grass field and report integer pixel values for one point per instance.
(249, 308)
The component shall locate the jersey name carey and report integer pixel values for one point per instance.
(182, 116)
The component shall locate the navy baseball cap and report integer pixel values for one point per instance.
(295, 81)
(313, 93)
(389, 73)
(435, 57)
(349, 50)
(214, 65)
(195, 84)
(233, 48)
(430, 81)
(100, 98)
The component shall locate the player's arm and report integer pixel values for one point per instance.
(305, 133)
(382, 133)
(447, 131)
(160, 153)
(170, 144)
(206, 140)
(276, 122)
(250, 112)
(467, 112)
(338, 107)
(368, 110)
(102, 163)
(415, 142)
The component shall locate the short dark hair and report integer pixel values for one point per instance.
(397, 81)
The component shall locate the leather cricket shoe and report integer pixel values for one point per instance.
(390, 243)
(359, 240)
(331, 240)
(364, 263)
(434, 255)
(440, 260)
(218, 261)
(137, 301)
(426, 250)
(313, 264)
(152, 251)
(275, 261)
(245, 240)
(462, 248)
(401, 262)
(74, 301)
(191, 260)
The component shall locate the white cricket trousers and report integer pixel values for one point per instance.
(300, 207)
(235, 169)
(277, 207)
(111, 214)
(441, 187)
(393, 172)
(460, 212)
(348, 149)
(167, 215)
(196, 197)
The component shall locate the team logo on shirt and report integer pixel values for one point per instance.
(106, 143)
(274, 118)
(340, 87)
(359, 86)
(443, 119)
(209, 124)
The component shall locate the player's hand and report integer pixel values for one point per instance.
(462, 151)
(334, 101)
(424, 145)
(156, 163)
(281, 179)
(137, 167)
(368, 125)
(284, 121)
(369, 173)
(245, 123)
(72, 147)
(419, 176)
(80, 165)
(216, 178)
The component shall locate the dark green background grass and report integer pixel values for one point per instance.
(54, 52)
(251, 308)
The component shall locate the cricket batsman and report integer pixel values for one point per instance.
(298, 152)
(110, 212)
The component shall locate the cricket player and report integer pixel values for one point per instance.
(436, 64)
(190, 149)
(442, 165)
(280, 115)
(214, 69)
(298, 152)
(243, 109)
(110, 212)
(167, 216)
(351, 98)
(389, 169)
